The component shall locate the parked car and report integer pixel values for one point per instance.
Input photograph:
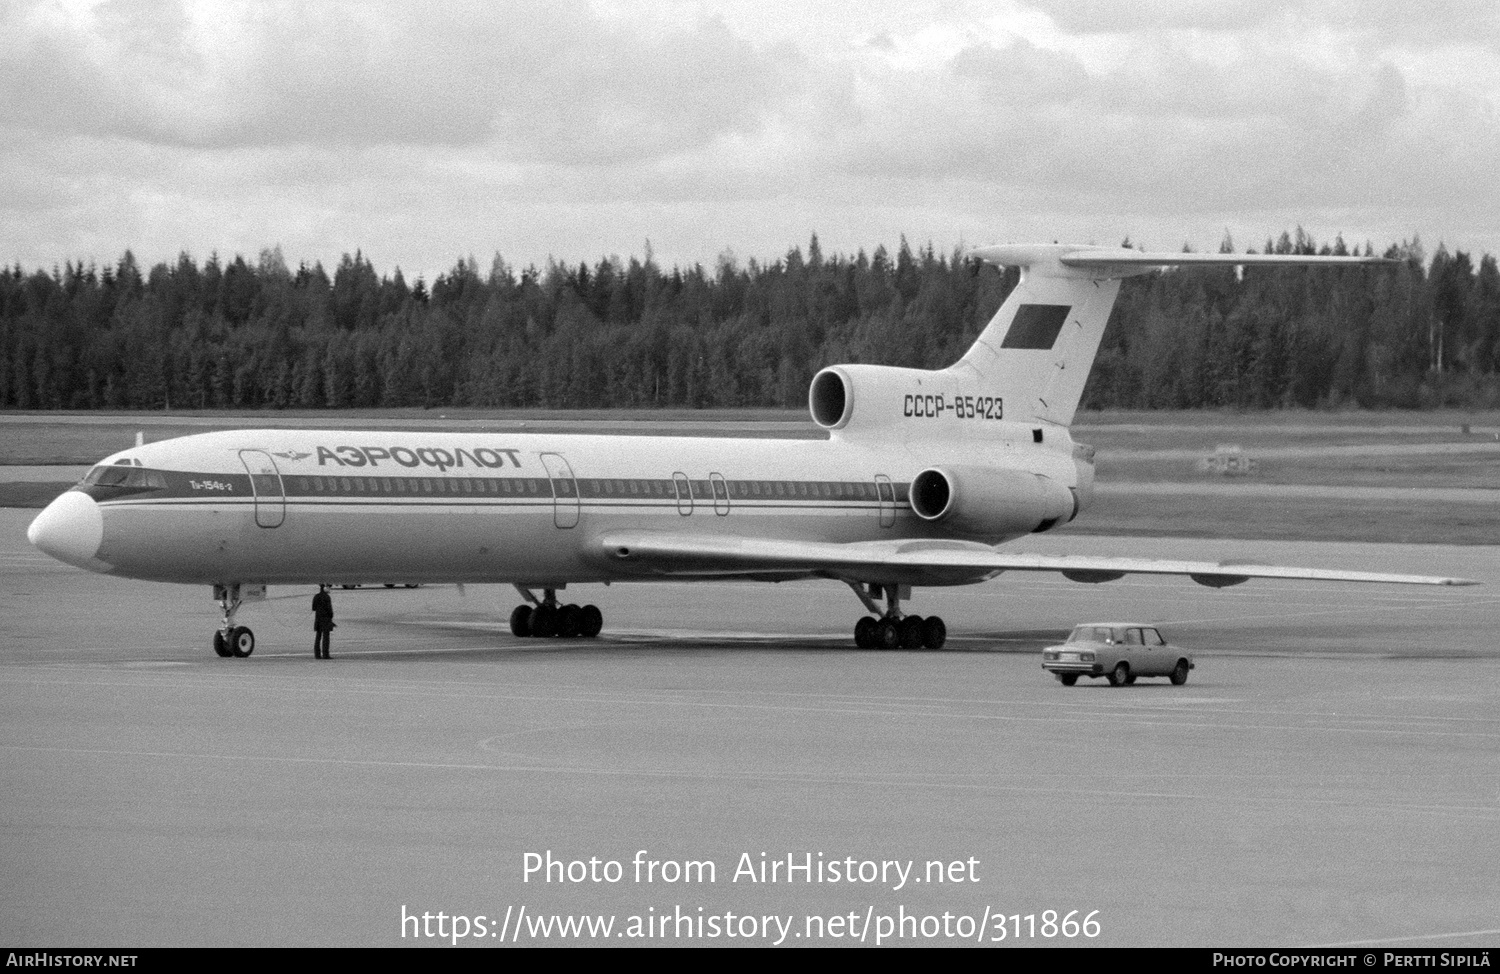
(1118, 651)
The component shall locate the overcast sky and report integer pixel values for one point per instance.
(424, 132)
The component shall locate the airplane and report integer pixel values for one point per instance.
(923, 474)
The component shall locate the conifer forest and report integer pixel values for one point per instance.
(256, 334)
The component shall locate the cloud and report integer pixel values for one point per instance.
(1162, 124)
(1379, 22)
(424, 131)
(540, 80)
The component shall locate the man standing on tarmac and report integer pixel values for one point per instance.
(322, 622)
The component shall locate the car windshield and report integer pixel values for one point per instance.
(1090, 634)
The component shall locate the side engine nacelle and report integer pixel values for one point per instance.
(991, 504)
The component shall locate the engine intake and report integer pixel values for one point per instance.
(989, 503)
(830, 398)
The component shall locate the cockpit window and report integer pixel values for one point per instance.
(108, 476)
(118, 475)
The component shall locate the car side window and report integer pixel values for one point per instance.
(1153, 638)
(1132, 637)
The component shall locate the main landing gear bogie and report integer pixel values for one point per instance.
(231, 640)
(547, 618)
(909, 632)
(891, 629)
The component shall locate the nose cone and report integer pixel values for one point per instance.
(71, 529)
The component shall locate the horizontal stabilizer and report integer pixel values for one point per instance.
(1120, 257)
(1071, 260)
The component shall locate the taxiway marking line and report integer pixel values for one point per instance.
(1403, 940)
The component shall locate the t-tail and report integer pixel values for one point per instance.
(1030, 363)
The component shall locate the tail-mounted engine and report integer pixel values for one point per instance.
(853, 399)
(987, 503)
(859, 397)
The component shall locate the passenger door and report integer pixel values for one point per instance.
(887, 495)
(266, 487)
(564, 490)
(721, 493)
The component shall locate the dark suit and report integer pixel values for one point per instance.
(322, 607)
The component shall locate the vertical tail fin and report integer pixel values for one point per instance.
(1038, 349)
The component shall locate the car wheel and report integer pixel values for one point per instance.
(1179, 673)
(1067, 679)
(1119, 675)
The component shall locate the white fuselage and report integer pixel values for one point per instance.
(307, 506)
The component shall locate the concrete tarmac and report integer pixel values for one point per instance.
(1327, 776)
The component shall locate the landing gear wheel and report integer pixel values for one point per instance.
(241, 642)
(886, 635)
(910, 632)
(544, 620)
(864, 632)
(1120, 675)
(934, 632)
(591, 621)
(1130, 680)
(221, 645)
(569, 621)
(520, 620)
(1179, 673)
(1067, 679)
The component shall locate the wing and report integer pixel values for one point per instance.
(919, 562)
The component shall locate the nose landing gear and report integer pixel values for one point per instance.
(546, 618)
(893, 628)
(231, 640)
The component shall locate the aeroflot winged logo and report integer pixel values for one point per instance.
(438, 457)
(292, 455)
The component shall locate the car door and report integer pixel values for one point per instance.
(1162, 660)
(1134, 653)
(1111, 650)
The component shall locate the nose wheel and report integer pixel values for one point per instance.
(891, 628)
(231, 640)
(545, 617)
